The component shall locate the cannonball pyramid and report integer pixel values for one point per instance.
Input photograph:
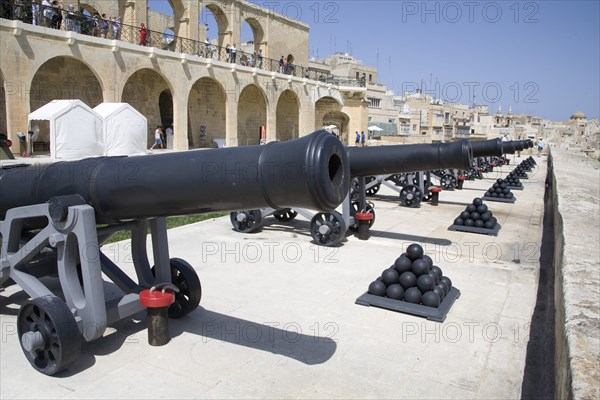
(519, 172)
(476, 218)
(413, 285)
(499, 192)
(513, 182)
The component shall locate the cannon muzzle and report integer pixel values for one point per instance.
(310, 172)
(487, 148)
(383, 160)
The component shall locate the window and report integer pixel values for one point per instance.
(392, 120)
(370, 77)
(357, 77)
(373, 102)
(414, 127)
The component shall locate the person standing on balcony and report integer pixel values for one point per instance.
(233, 53)
(143, 34)
(104, 26)
(116, 26)
(70, 18)
(35, 10)
(281, 63)
(259, 56)
(56, 19)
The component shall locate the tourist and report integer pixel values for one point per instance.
(540, 146)
(228, 52)
(143, 33)
(104, 26)
(35, 10)
(56, 18)
(70, 19)
(116, 26)
(357, 141)
(259, 56)
(47, 13)
(232, 53)
(157, 137)
(281, 62)
(362, 138)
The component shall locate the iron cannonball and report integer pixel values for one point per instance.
(408, 280)
(503, 186)
(475, 216)
(420, 267)
(402, 263)
(447, 281)
(430, 299)
(479, 223)
(506, 190)
(482, 208)
(499, 180)
(489, 225)
(414, 251)
(501, 195)
(509, 195)
(496, 186)
(437, 270)
(413, 295)
(488, 194)
(494, 194)
(498, 190)
(443, 286)
(390, 276)
(440, 292)
(471, 207)
(486, 216)
(494, 220)
(429, 260)
(477, 201)
(465, 214)
(434, 276)
(425, 283)
(459, 221)
(377, 288)
(469, 222)
(395, 292)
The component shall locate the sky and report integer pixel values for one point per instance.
(538, 57)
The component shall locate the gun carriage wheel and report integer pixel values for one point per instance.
(245, 221)
(285, 215)
(186, 279)
(411, 196)
(372, 191)
(447, 182)
(328, 229)
(48, 334)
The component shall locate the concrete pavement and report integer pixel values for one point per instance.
(278, 319)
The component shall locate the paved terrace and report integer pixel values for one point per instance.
(278, 319)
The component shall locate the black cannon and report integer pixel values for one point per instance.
(54, 218)
(329, 228)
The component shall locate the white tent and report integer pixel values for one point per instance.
(124, 129)
(75, 130)
(375, 128)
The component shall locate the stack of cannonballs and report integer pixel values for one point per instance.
(476, 215)
(527, 164)
(499, 190)
(413, 279)
(512, 181)
(519, 172)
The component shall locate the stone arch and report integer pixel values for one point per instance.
(65, 78)
(252, 115)
(258, 33)
(288, 116)
(3, 119)
(328, 111)
(178, 13)
(207, 111)
(223, 35)
(89, 8)
(143, 89)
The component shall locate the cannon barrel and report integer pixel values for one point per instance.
(487, 148)
(382, 160)
(310, 172)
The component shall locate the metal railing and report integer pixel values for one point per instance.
(54, 17)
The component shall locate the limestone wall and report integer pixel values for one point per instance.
(575, 180)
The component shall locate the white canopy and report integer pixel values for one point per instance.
(375, 128)
(124, 129)
(329, 127)
(75, 129)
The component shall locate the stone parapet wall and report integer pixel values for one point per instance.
(575, 181)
